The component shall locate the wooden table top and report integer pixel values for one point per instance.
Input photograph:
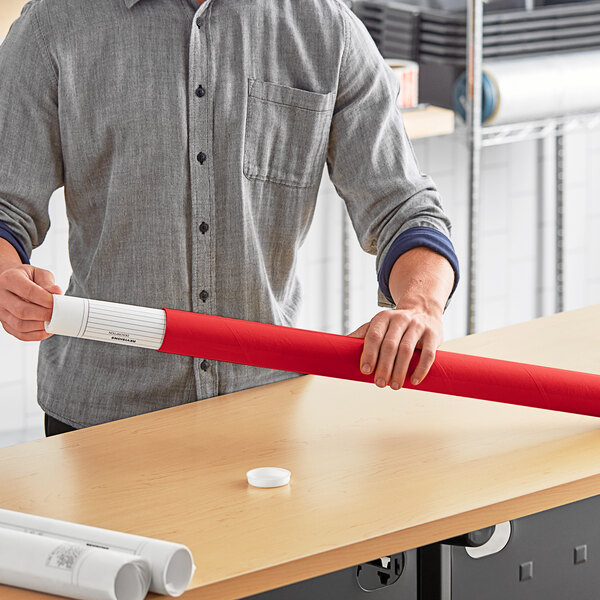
(428, 121)
(373, 471)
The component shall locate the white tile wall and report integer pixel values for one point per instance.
(516, 229)
(509, 288)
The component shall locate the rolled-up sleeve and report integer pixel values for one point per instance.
(370, 159)
(30, 150)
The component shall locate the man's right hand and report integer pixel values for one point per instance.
(25, 296)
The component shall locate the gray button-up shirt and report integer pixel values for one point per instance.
(190, 141)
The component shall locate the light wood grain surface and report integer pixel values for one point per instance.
(373, 471)
(428, 122)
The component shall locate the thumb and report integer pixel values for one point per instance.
(361, 331)
(45, 279)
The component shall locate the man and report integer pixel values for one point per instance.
(190, 141)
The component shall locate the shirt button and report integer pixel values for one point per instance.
(203, 227)
(200, 91)
(199, 22)
(203, 295)
(204, 365)
(201, 157)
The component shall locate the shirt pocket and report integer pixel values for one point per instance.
(286, 133)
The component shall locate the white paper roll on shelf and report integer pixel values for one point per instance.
(529, 89)
(107, 322)
(171, 565)
(70, 569)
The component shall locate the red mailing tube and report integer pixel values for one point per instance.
(302, 351)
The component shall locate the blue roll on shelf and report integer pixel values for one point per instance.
(489, 97)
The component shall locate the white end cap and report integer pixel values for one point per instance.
(68, 314)
(268, 477)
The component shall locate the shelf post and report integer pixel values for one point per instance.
(474, 136)
(559, 227)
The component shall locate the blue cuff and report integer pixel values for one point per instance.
(416, 237)
(8, 234)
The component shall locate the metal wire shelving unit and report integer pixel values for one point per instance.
(479, 137)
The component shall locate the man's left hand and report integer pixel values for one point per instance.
(420, 283)
(390, 341)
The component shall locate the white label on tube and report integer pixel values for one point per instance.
(108, 322)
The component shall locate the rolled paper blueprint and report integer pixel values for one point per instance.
(302, 351)
(171, 565)
(70, 569)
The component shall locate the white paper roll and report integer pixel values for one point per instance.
(70, 569)
(108, 322)
(171, 564)
(545, 86)
(528, 89)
